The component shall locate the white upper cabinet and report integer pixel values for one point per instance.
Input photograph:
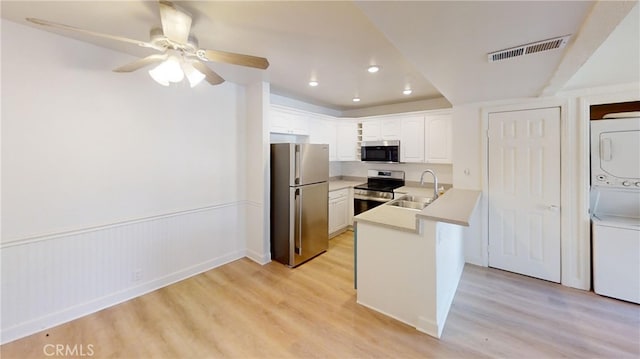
(289, 122)
(347, 140)
(381, 130)
(324, 131)
(391, 129)
(437, 135)
(371, 131)
(412, 138)
(424, 136)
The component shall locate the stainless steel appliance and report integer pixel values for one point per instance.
(299, 202)
(378, 189)
(380, 151)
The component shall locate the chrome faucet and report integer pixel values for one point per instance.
(435, 182)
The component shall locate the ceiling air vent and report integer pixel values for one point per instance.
(532, 48)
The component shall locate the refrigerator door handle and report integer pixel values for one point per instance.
(297, 164)
(298, 223)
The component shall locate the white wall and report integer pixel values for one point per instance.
(112, 185)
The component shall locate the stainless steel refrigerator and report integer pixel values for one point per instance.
(299, 202)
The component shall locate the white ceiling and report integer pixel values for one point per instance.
(436, 48)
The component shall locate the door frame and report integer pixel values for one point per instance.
(573, 247)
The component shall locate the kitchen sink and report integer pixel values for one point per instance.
(412, 202)
(419, 199)
(408, 204)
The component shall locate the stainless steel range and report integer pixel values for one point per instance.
(378, 189)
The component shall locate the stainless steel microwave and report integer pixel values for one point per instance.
(380, 151)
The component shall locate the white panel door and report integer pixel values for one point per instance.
(524, 192)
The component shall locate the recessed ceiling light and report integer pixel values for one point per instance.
(373, 69)
(407, 91)
(313, 83)
(356, 99)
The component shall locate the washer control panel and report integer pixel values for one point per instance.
(602, 179)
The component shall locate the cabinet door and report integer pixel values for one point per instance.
(412, 139)
(371, 130)
(324, 132)
(338, 210)
(280, 121)
(438, 138)
(329, 131)
(391, 129)
(347, 141)
(299, 125)
(289, 122)
(341, 209)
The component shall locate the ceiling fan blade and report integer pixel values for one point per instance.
(92, 33)
(211, 77)
(236, 59)
(138, 64)
(176, 23)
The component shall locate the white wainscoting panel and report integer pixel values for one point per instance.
(53, 279)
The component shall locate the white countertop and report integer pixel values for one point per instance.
(454, 206)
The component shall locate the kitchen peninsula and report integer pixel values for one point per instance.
(409, 261)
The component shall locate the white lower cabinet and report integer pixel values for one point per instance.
(338, 211)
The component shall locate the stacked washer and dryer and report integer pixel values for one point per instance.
(615, 206)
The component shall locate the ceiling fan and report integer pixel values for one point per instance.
(180, 55)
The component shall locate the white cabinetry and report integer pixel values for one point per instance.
(323, 130)
(285, 121)
(381, 130)
(347, 140)
(437, 135)
(338, 210)
(371, 131)
(412, 139)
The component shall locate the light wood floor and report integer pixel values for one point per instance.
(244, 310)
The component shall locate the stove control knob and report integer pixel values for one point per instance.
(626, 183)
(638, 184)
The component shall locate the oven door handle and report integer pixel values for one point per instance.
(374, 199)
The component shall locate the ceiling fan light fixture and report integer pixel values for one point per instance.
(194, 76)
(356, 99)
(313, 83)
(172, 69)
(157, 75)
(407, 91)
(168, 71)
